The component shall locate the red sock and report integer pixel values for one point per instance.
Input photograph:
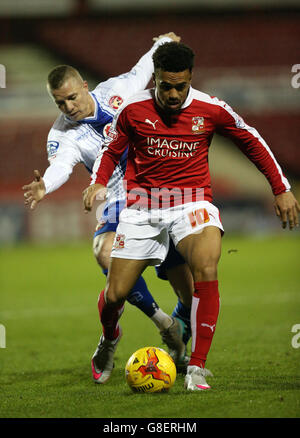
(109, 317)
(204, 315)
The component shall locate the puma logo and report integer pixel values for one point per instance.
(151, 123)
(212, 327)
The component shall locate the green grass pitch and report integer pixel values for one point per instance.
(48, 305)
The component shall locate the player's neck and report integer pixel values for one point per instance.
(91, 106)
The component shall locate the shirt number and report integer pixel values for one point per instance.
(198, 217)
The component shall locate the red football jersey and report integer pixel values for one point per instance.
(171, 150)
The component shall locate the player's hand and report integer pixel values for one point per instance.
(287, 209)
(95, 191)
(171, 35)
(35, 191)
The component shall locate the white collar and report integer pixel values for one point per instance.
(186, 103)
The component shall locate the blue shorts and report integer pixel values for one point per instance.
(174, 258)
(110, 218)
(109, 222)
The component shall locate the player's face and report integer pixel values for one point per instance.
(73, 99)
(172, 88)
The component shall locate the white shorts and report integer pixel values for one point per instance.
(144, 234)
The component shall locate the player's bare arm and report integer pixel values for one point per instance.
(95, 191)
(35, 191)
(287, 209)
(171, 35)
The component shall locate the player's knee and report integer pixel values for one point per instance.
(206, 271)
(102, 259)
(96, 246)
(113, 296)
(101, 250)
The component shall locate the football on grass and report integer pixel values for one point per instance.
(150, 369)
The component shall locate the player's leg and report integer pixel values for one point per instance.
(176, 271)
(102, 244)
(181, 280)
(202, 252)
(123, 274)
(139, 296)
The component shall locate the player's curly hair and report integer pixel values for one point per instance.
(60, 74)
(173, 57)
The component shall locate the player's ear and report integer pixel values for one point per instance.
(85, 85)
(153, 78)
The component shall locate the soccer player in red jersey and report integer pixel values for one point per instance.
(169, 130)
(76, 137)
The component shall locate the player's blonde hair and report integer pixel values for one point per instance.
(60, 74)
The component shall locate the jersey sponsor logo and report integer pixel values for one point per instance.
(198, 125)
(52, 147)
(119, 242)
(151, 123)
(163, 147)
(115, 102)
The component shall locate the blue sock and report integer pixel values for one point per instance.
(141, 297)
(183, 313)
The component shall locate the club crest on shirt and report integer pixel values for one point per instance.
(52, 147)
(106, 129)
(115, 102)
(119, 242)
(110, 132)
(198, 125)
